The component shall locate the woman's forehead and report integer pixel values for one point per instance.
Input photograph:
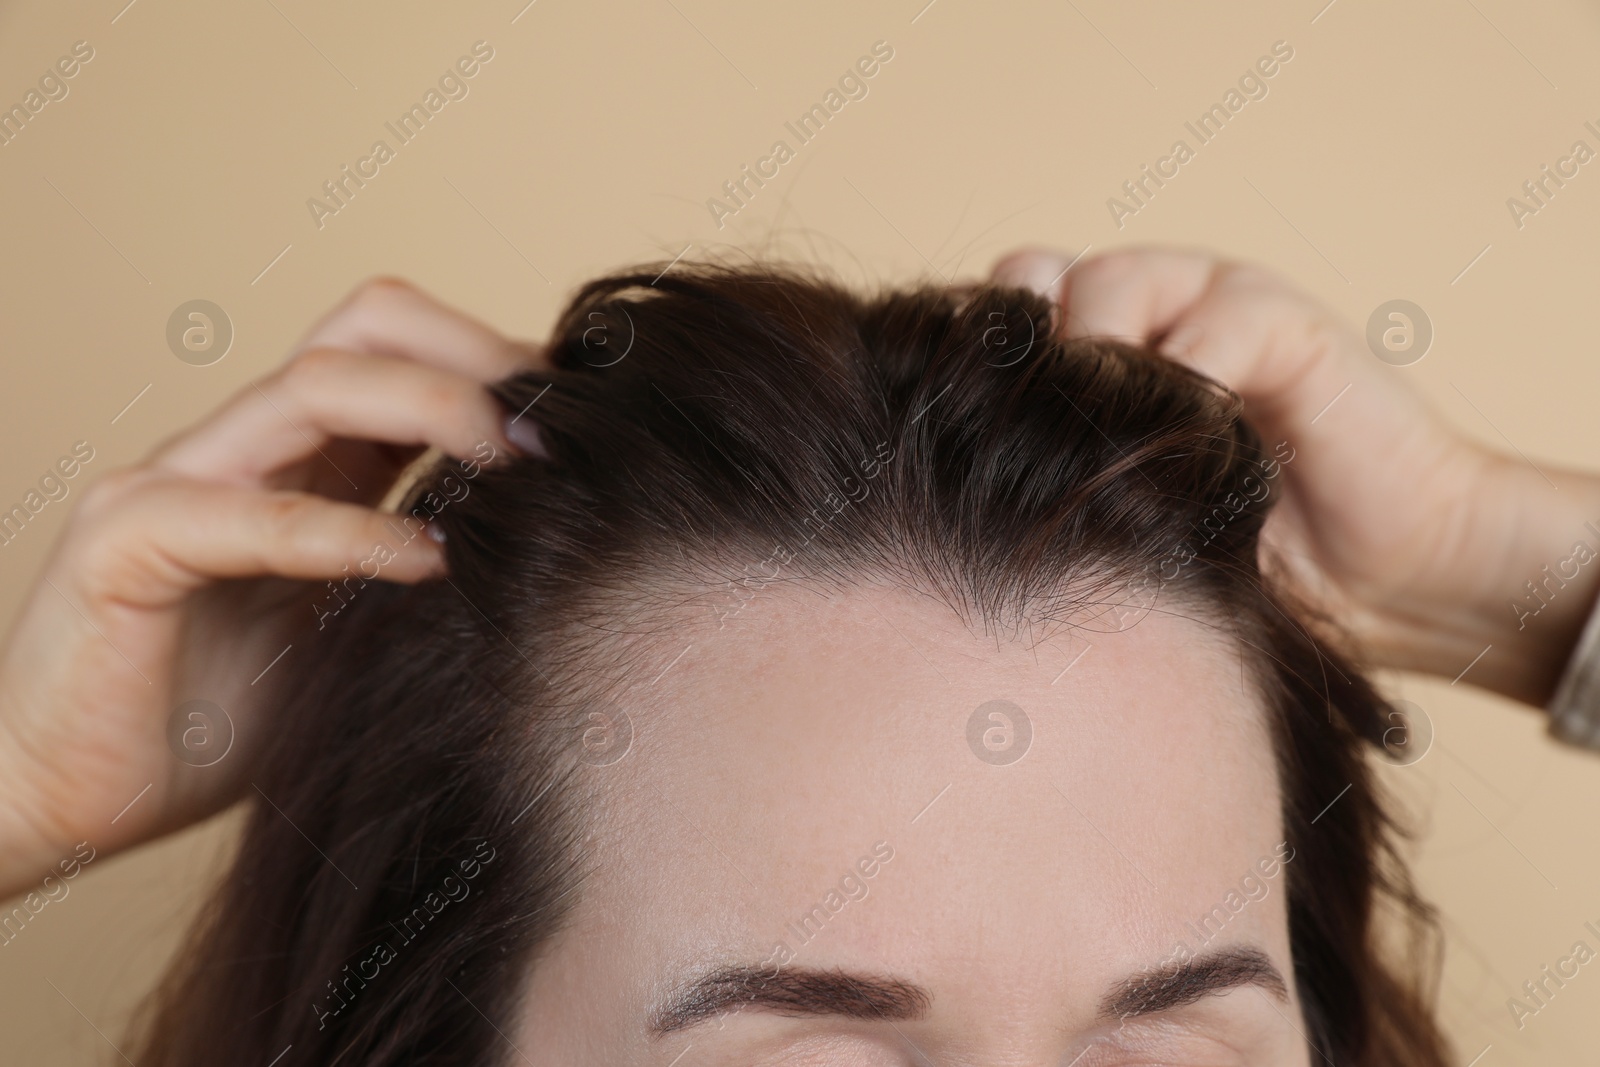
(1099, 789)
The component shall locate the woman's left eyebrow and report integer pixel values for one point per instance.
(1168, 987)
(790, 992)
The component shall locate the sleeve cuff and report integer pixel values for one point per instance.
(1575, 707)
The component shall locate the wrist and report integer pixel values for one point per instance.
(28, 846)
(1524, 578)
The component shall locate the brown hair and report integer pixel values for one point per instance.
(695, 420)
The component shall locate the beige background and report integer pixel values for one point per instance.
(1377, 167)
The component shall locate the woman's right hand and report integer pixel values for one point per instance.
(1416, 537)
(273, 494)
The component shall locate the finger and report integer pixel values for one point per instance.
(389, 316)
(1290, 359)
(328, 393)
(149, 541)
(1039, 270)
(1255, 341)
(1132, 295)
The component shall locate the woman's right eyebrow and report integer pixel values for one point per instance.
(790, 992)
(1167, 987)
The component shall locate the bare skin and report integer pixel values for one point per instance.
(128, 617)
(800, 801)
(1412, 535)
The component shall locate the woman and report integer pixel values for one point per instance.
(825, 680)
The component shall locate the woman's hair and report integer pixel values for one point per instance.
(414, 833)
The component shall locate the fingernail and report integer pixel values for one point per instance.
(1181, 340)
(435, 532)
(1036, 269)
(524, 435)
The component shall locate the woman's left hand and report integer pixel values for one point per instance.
(1419, 539)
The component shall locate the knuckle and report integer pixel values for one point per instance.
(310, 370)
(284, 515)
(380, 290)
(463, 404)
(314, 363)
(104, 534)
(1267, 294)
(1111, 270)
(97, 565)
(1326, 337)
(1255, 278)
(108, 493)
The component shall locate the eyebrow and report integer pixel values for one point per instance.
(1168, 987)
(799, 992)
(791, 992)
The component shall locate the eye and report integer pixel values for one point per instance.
(1210, 1039)
(790, 1046)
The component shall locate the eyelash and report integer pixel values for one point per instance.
(1156, 1045)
